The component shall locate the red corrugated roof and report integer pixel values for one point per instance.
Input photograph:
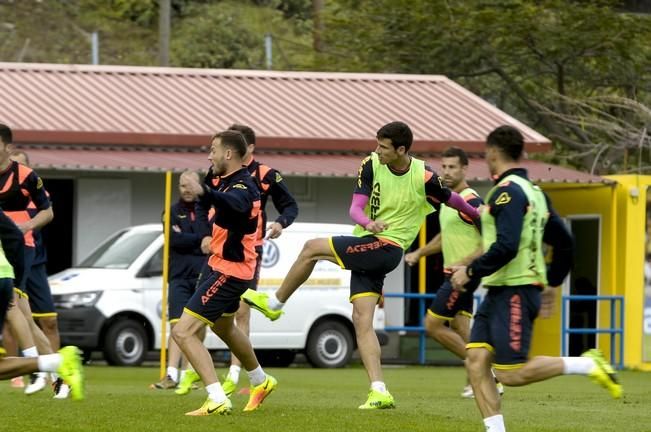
(127, 106)
(311, 165)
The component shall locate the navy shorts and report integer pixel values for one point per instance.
(180, 291)
(449, 302)
(369, 259)
(39, 293)
(6, 297)
(504, 324)
(217, 295)
(258, 264)
(30, 253)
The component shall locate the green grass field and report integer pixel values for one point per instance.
(118, 399)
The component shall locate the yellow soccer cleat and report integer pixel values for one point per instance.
(260, 392)
(210, 407)
(229, 386)
(260, 302)
(187, 382)
(604, 374)
(378, 400)
(72, 371)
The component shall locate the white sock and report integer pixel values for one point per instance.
(379, 386)
(49, 362)
(256, 376)
(494, 423)
(274, 303)
(577, 365)
(173, 373)
(30, 352)
(54, 376)
(216, 392)
(234, 373)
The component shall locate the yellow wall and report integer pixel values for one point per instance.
(571, 200)
(631, 239)
(622, 207)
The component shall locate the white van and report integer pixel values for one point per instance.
(111, 302)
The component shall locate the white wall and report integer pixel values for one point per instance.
(103, 205)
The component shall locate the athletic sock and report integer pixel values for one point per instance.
(495, 423)
(234, 373)
(274, 303)
(256, 376)
(379, 386)
(216, 392)
(577, 365)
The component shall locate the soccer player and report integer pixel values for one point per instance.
(271, 185)
(232, 267)
(67, 362)
(189, 227)
(515, 223)
(20, 185)
(448, 318)
(389, 205)
(38, 289)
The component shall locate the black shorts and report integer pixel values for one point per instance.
(449, 302)
(30, 253)
(217, 295)
(6, 297)
(369, 259)
(504, 324)
(39, 293)
(258, 264)
(180, 292)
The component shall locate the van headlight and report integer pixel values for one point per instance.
(77, 300)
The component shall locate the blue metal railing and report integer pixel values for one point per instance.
(420, 328)
(614, 330)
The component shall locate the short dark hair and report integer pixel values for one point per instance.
(5, 134)
(398, 132)
(233, 140)
(458, 153)
(508, 140)
(245, 130)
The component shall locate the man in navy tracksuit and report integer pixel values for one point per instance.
(189, 226)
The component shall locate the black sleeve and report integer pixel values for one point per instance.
(508, 206)
(236, 199)
(434, 189)
(34, 185)
(364, 184)
(13, 244)
(560, 239)
(283, 200)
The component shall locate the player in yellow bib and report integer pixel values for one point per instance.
(448, 318)
(391, 199)
(516, 221)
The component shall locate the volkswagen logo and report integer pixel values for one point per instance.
(270, 254)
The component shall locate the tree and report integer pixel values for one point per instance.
(517, 54)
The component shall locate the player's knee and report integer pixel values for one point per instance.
(180, 333)
(310, 248)
(476, 361)
(433, 326)
(48, 325)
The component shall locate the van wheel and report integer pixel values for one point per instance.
(125, 343)
(330, 345)
(275, 358)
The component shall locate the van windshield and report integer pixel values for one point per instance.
(121, 250)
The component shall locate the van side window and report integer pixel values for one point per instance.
(154, 266)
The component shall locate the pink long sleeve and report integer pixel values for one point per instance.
(357, 210)
(457, 202)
